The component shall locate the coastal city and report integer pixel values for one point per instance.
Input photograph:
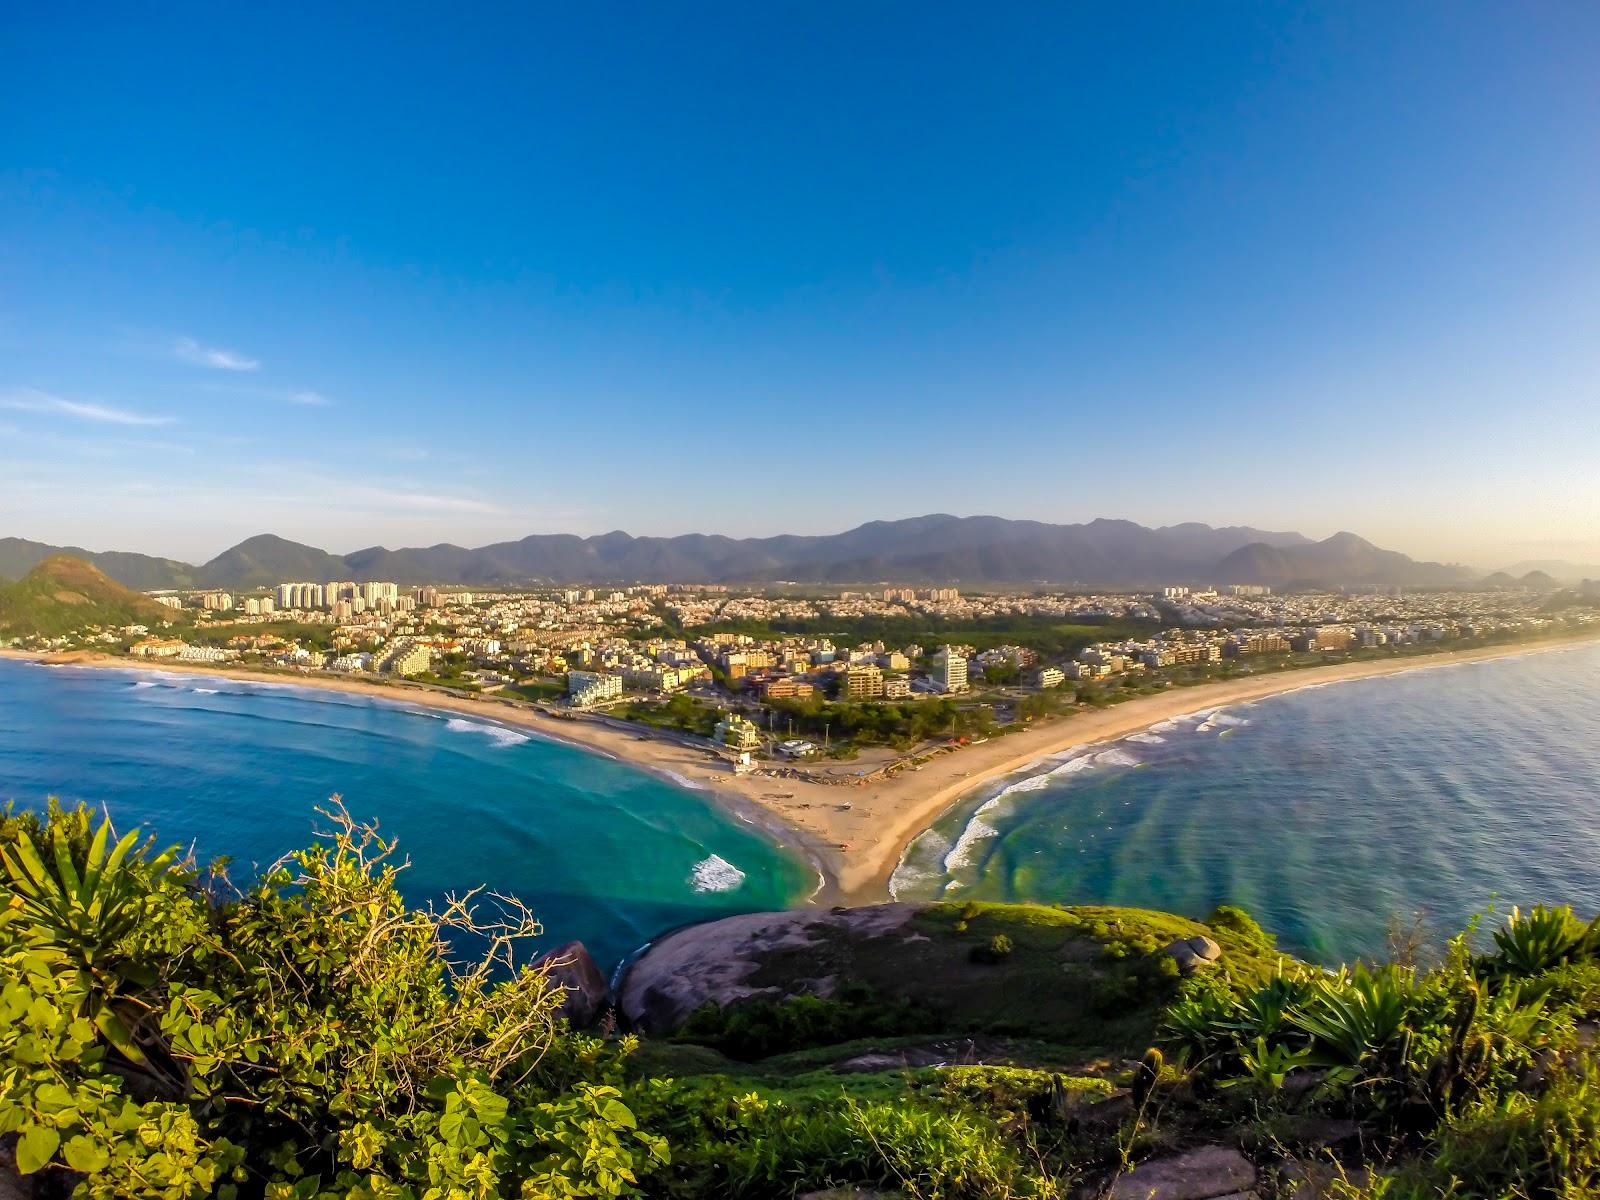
(858, 677)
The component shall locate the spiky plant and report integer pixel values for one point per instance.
(79, 922)
(1533, 942)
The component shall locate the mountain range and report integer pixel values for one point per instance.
(932, 549)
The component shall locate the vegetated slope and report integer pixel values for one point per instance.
(938, 548)
(64, 593)
(144, 572)
(266, 559)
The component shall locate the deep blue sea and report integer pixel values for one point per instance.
(601, 851)
(1324, 812)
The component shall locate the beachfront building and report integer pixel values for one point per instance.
(949, 671)
(738, 733)
(586, 688)
(205, 654)
(1048, 677)
(406, 658)
(157, 648)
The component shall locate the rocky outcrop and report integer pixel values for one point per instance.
(1193, 953)
(586, 994)
(1208, 1173)
(716, 963)
(1065, 973)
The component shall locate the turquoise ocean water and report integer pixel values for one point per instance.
(1324, 811)
(600, 850)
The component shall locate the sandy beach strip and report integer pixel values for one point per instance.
(853, 834)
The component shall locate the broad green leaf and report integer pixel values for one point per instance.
(86, 1154)
(36, 1147)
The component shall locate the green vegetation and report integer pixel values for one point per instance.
(313, 637)
(1051, 637)
(902, 724)
(538, 689)
(63, 594)
(679, 712)
(162, 1035)
(304, 1036)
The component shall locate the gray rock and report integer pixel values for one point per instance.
(1204, 1174)
(713, 963)
(586, 992)
(1194, 953)
(1303, 1179)
(12, 1185)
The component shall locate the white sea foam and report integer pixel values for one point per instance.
(977, 830)
(205, 691)
(683, 780)
(499, 734)
(1115, 758)
(1145, 739)
(1164, 726)
(715, 874)
(143, 683)
(1033, 783)
(1073, 765)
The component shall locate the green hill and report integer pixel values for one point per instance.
(64, 593)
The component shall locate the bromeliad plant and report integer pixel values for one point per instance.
(86, 926)
(1542, 939)
(1389, 1042)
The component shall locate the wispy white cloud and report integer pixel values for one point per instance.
(191, 351)
(29, 400)
(391, 498)
(314, 399)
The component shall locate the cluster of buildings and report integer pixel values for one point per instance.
(593, 647)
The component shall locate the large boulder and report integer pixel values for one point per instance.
(1193, 953)
(1203, 1174)
(715, 963)
(585, 991)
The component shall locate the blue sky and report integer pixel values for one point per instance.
(410, 274)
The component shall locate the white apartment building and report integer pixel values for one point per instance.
(950, 671)
(592, 687)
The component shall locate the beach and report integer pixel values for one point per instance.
(854, 834)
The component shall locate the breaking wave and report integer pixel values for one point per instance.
(715, 874)
(499, 734)
(682, 781)
(977, 830)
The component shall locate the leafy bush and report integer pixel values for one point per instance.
(307, 1037)
(761, 1027)
(996, 950)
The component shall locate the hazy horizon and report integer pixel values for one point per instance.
(363, 278)
(205, 555)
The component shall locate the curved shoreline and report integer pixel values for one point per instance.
(855, 837)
